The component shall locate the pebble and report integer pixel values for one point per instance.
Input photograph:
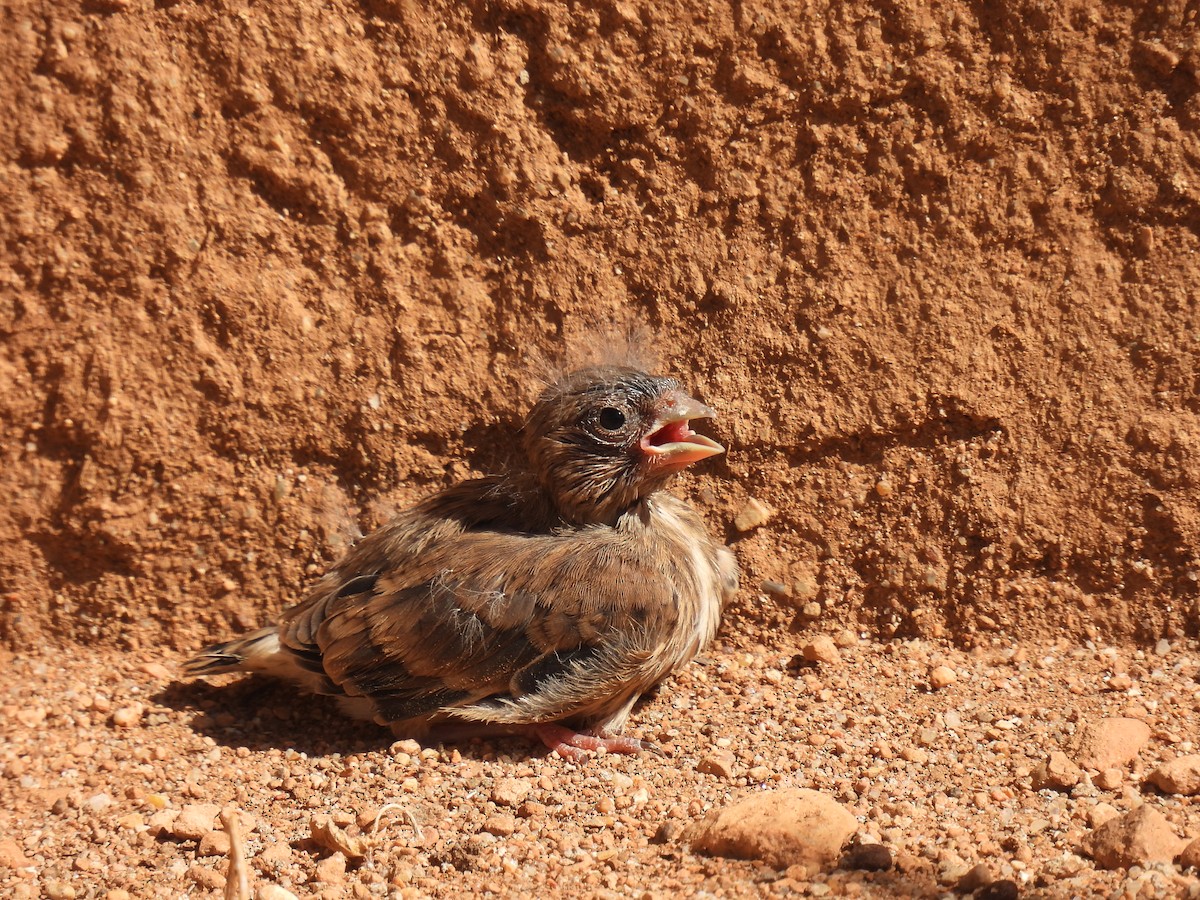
(193, 822)
(1178, 776)
(500, 825)
(999, 890)
(1134, 839)
(331, 870)
(977, 876)
(510, 791)
(1119, 682)
(11, 854)
(1101, 813)
(98, 802)
(58, 890)
(942, 677)
(781, 828)
(128, 716)
(1190, 857)
(867, 858)
(1057, 772)
(821, 649)
(157, 671)
(1111, 742)
(273, 892)
(215, 843)
(752, 515)
(1109, 779)
(719, 763)
(205, 876)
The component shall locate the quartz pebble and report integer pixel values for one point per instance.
(753, 514)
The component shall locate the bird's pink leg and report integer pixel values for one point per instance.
(569, 744)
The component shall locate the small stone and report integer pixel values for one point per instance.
(500, 825)
(867, 858)
(1109, 779)
(162, 821)
(1056, 773)
(128, 716)
(776, 589)
(811, 610)
(1162, 647)
(942, 677)
(11, 855)
(510, 791)
(782, 828)
(1178, 776)
(821, 649)
(1190, 857)
(273, 892)
(753, 514)
(977, 876)
(194, 821)
(98, 802)
(719, 763)
(205, 877)
(58, 890)
(1119, 682)
(215, 843)
(1111, 742)
(331, 870)
(1005, 889)
(1136, 839)
(915, 755)
(157, 671)
(668, 832)
(1101, 813)
(117, 894)
(759, 774)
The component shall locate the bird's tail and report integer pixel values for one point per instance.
(253, 652)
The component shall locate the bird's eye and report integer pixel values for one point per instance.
(611, 418)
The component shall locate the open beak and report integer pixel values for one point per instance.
(671, 443)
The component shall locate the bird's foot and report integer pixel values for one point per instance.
(570, 745)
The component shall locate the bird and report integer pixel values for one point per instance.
(544, 600)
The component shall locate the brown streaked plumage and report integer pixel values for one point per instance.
(550, 597)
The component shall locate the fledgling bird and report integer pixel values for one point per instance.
(548, 598)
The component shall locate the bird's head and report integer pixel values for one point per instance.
(602, 438)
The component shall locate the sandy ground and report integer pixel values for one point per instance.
(942, 778)
(270, 271)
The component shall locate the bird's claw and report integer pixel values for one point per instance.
(570, 745)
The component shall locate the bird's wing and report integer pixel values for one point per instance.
(550, 623)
